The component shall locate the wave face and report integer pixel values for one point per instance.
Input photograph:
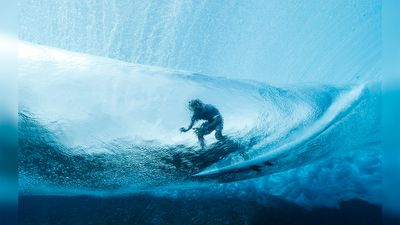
(92, 125)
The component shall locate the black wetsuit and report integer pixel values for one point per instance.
(214, 121)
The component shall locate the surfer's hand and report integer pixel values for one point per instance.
(183, 129)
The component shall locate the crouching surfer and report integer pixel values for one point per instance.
(212, 117)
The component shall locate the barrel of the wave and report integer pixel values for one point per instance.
(351, 122)
(101, 125)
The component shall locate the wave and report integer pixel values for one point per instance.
(307, 145)
(94, 125)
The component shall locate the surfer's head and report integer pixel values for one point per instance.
(195, 104)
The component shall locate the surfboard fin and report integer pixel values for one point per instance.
(256, 168)
(268, 163)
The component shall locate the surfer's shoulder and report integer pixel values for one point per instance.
(210, 107)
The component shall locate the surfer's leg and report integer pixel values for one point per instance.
(218, 135)
(201, 132)
(205, 129)
(200, 137)
(218, 132)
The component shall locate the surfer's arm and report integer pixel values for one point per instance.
(193, 120)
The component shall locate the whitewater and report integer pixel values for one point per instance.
(99, 126)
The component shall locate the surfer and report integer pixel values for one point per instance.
(214, 120)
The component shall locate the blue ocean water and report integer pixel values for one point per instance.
(278, 42)
(103, 88)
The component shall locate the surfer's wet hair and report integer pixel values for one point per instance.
(195, 104)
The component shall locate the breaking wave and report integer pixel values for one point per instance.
(92, 125)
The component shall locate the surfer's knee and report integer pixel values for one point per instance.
(218, 135)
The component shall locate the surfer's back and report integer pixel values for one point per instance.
(208, 113)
